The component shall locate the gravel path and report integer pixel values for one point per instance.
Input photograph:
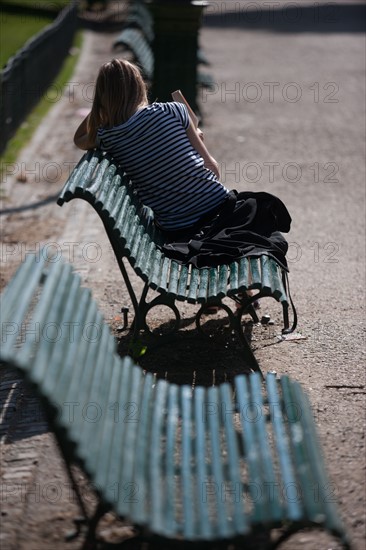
(310, 153)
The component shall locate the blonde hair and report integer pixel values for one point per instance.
(119, 91)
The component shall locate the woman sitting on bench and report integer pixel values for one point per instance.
(174, 174)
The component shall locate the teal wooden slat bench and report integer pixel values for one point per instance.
(136, 40)
(139, 16)
(134, 236)
(224, 463)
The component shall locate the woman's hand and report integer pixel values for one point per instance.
(200, 134)
(213, 165)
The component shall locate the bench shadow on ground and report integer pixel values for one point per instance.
(208, 357)
(22, 415)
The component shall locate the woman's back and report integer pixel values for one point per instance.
(170, 177)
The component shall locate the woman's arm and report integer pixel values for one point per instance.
(82, 138)
(196, 140)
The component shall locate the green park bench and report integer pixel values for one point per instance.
(224, 463)
(134, 237)
(139, 17)
(135, 41)
(138, 35)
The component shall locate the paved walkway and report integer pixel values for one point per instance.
(286, 116)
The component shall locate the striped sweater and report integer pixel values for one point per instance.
(167, 172)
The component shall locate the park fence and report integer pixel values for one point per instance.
(29, 73)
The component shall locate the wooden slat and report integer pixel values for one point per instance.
(126, 226)
(97, 351)
(85, 174)
(170, 512)
(306, 480)
(222, 286)
(125, 478)
(140, 502)
(118, 202)
(331, 519)
(138, 240)
(95, 184)
(266, 279)
(147, 268)
(243, 274)
(111, 457)
(212, 282)
(255, 274)
(76, 175)
(106, 399)
(85, 177)
(250, 444)
(240, 521)
(74, 355)
(292, 507)
(183, 280)
(189, 528)
(193, 285)
(69, 380)
(272, 507)
(203, 285)
(144, 252)
(101, 461)
(118, 226)
(173, 278)
(19, 292)
(110, 199)
(131, 233)
(156, 486)
(201, 458)
(93, 405)
(223, 527)
(99, 354)
(157, 263)
(279, 293)
(58, 317)
(164, 275)
(105, 189)
(234, 278)
(54, 287)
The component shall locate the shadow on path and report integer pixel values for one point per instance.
(31, 206)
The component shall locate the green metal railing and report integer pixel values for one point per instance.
(32, 69)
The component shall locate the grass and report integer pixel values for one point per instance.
(20, 20)
(16, 30)
(25, 132)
